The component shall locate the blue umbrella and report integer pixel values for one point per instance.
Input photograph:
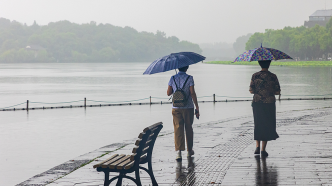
(173, 61)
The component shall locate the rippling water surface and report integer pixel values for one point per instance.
(38, 140)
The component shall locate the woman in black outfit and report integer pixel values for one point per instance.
(264, 85)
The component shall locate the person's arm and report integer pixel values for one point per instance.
(193, 95)
(252, 87)
(277, 88)
(169, 91)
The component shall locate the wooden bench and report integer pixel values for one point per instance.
(123, 164)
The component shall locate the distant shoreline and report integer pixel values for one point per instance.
(85, 62)
(276, 63)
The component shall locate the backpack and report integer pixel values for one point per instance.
(180, 98)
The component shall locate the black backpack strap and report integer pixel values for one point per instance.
(185, 82)
(175, 83)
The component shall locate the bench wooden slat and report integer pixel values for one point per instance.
(145, 150)
(140, 136)
(99, 164)
(132, 157)
(152, 126)
(142, 158)
(114, 164)
(147, 144)
(137, 142)
(135, 150)
(129, 165)
(123, 164)
(151, 136)
(105, 165)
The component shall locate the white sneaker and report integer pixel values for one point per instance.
(190, 153)
(178, 155)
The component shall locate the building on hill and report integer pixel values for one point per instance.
(320, 17)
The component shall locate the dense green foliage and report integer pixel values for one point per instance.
(304, 43)
(64, 41)
(277, 63)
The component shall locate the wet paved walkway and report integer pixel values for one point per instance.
(302, 156)
(224, 155)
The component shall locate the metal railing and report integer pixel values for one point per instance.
(214, 99)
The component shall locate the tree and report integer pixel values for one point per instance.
(255, 41)
(240, 44)
(305, 43)
(64, 41)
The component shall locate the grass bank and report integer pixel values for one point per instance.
(277, 63)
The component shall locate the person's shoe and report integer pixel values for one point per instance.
(190, 153)
(257, 150)
(178, 155)
(264, 154)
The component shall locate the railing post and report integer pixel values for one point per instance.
(214, 98)
(27, 105)
(84, 102)
(150, 100)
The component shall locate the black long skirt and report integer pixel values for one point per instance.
(265, 121)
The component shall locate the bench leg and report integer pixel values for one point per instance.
(150, 172)
(132, 179)
(107, 178)
(107, 182)
(119, 182)
(154, 182)
(138, 179)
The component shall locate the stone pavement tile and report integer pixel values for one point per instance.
(327, 182)
(224, 155)
(166, 170)
(209, 165)
(293, 159)
(69, 166)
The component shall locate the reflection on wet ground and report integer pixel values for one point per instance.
(265, 175)
(301, 156)
(183, 168)
(224, 155)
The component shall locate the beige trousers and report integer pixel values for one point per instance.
(183, 120)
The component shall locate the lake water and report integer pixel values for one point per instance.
(35, 141)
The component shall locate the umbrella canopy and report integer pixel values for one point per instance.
(173, 61)
(262, 53)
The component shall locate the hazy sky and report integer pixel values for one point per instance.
(198, 21)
